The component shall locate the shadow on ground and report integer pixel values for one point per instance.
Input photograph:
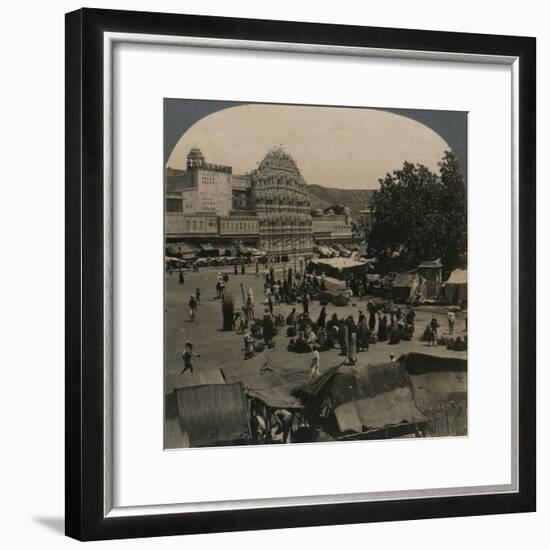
(56, 525)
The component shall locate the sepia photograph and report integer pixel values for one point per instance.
(315, 273)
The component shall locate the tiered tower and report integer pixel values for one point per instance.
(282, 205)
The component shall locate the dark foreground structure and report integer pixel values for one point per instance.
(418, 395)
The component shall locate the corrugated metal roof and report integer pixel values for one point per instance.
(434, 388)
(198, 378)
(214, 414)
(378, 412)
(255, 380)
(343, 384)
(266, 385)
(277, 397)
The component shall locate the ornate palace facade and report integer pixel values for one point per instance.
(282, 205)
(269, 208)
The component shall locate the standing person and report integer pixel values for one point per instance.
(284, 419)
(434, 325)
(451, 321)
(181, 277)
(372, 319)
(292, 318)
(277, 293)
(315, 367)
(192, 307)
(305, 303)
(270, 304)
(352, 351)
(257, 269)
(383, 328)
(250, 295)
(235, 269)
(241, 318)
(242, 269)
(249, 309)
(431, 335)
(321, 320)
(268, 328)
(249, 346)
(362, 335)
(198, 296)
(409, 319)
(187, 357)
(343, 337)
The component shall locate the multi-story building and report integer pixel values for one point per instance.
(240, 226)
(330, 228)
(208, 186)
(268, 208)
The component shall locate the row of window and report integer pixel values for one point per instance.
(238, 226)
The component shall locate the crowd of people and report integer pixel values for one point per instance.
(308, 335)
(378, 322)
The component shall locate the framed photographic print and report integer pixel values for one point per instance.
(300, 274)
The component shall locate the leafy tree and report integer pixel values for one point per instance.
(420, 215)
(453, 205)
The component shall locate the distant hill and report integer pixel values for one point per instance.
(354, 199)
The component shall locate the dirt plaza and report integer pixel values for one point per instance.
(224, 350)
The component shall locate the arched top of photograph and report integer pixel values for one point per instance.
(344, 147)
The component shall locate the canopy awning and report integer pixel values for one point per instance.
(180, 248)
(458, 277)
(171, 259)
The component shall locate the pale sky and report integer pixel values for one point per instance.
(335, 147)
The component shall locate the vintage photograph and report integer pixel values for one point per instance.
(315, 262)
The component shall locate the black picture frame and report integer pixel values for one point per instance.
(85, 519)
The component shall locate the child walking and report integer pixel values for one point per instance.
(187, 357)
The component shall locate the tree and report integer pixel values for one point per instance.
(419, 215)
(453, 205)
